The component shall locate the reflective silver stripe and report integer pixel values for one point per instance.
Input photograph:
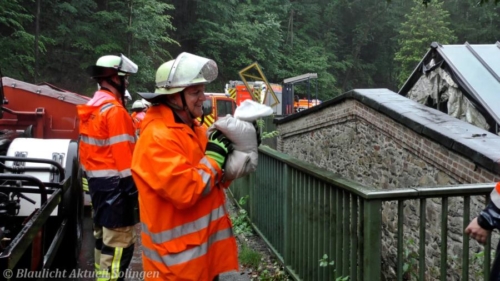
(495, 197)
(206, 191)
(110, 141)
(188, 255)
(106, 107)
(109, 173)
(206, 177)
(122, 138)
(126, 173)
(181, 230)
(102, 173)
(205, 161)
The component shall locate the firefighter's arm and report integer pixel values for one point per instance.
(489, 217)
(475, 231)
(482, 225)
(166, 168)
(121, 138)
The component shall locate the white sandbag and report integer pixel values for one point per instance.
(243, 160)
(241, 132)
(250, 111)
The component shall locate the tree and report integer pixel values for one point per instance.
(16, 42)
(233, 33)
(83, 30)
(474, 22)
(423, 26)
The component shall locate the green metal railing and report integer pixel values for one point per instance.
(304, 212)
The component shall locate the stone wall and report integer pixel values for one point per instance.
(352, 139)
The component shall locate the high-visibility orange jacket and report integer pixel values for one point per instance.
(186, 231)
(106, 145)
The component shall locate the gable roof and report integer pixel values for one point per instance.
(475, 68)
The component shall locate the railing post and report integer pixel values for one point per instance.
(372, 229)
(286, 213)
(250, 192)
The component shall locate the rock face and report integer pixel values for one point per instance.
(357, 142)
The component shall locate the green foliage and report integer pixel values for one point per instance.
(325, 262)
(261, 123)
(270, 135)
(150, 36)
(478, 262)
(423, 26)
(473, 22)
(236, 34)
(349, 44)
(16, 42)
(266, 275)
(249, 257)
(410, 260)
(81, 31)
(241, 224)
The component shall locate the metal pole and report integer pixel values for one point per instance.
(316, 90)
(308, 92)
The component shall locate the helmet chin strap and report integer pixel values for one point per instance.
(120, 88)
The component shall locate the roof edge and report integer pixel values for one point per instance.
(471, 142)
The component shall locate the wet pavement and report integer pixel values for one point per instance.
(86, 259)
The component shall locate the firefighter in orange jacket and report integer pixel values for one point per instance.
(139, 108)
(106, 144)
(178, 170)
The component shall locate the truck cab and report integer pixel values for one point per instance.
(217, 105)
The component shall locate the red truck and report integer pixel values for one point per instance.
(217, 105)
(41, 197)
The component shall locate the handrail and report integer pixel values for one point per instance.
(303, 211)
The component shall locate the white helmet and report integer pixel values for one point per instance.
(110, 65)
(186, 70)
(139, 105)
(146, 103)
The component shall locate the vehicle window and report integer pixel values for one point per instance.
(224, 107)
(207, 106)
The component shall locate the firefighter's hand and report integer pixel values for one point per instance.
(257, 130)
(476, 232)
(218, 148)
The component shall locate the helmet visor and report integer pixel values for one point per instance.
(188, 70)
(127, 95)
(127, 66)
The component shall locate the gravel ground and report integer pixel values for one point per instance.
(269, 268)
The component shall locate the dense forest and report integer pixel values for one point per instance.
(348, 43)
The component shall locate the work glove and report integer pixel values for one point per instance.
(218, 148)
(257, 130)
